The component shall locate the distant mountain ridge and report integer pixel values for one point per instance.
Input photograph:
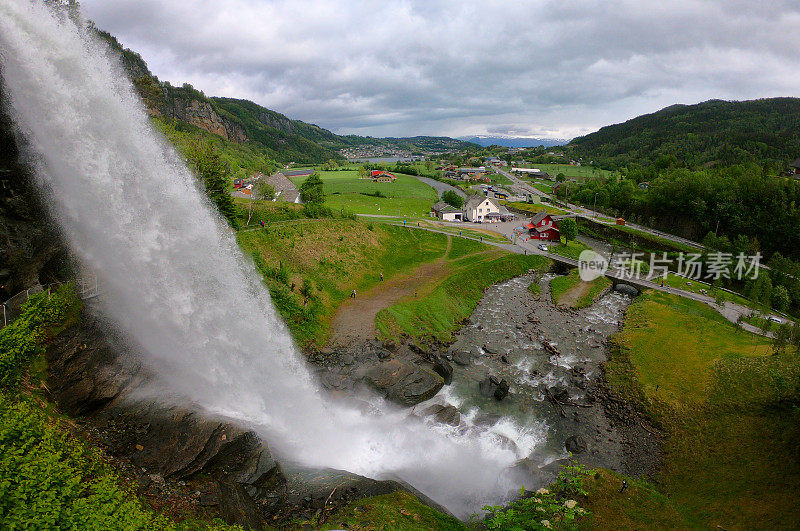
(513, 141)
(283, 139)
(714, 132)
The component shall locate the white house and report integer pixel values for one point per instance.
(478, 208)
(446, 212)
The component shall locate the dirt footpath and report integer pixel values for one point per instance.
(355, 320)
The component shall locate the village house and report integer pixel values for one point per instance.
(478, 209)
(795, 167)
(446, 212)
(380, 176)
(543, 227)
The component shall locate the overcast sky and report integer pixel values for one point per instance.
(526, 68)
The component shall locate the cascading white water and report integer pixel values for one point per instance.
(176, 283)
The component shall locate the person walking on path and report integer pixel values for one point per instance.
(381, 276)
(262, 223)
(353, 294)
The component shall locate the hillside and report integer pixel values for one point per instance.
(241, 121)
(714, 132)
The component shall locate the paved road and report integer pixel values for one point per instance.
(594, 215)
(729, 310)
(441, 187)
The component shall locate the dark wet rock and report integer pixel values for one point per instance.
(446, 414)
(389, 345)
(208, 499)
(487, 386)
(492, 387)
(559, 392)
(486, 419)
(502, 390)
(443, 369)
(575, 444)
(384, 354)
(307, 490)
(462, 358)
(504, 359)
(238, 507)
(404, 382)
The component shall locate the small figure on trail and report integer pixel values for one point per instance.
(353, 294)
(381, 276)
(459, 233)
(526, 252)
(262, 223)
(624, 485)
(481, 238)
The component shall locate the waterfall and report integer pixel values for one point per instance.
(176, 283)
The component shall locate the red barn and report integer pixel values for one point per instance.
(542, 227)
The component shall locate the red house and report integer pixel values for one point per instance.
(542, 227)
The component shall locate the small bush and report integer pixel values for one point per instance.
(25, 338)
(546, 508)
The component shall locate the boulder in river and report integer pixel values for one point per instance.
(502, 390)
(461, 358)
(446, 414)
(404, 382)
(492, 387)
(575, 444)
(443, 369)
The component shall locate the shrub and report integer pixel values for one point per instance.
(25, 338)
(546, 508)
(49, 480)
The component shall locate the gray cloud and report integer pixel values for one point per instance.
(548, 68)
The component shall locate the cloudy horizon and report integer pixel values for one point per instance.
(541, 69)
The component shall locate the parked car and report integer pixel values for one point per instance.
(543, 247)
(775, 319)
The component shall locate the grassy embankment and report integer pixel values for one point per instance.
(729, 412)
(571, 249)
(570, 290)
(438, 310)
(533, 208)
(399, 510)
(405, 197)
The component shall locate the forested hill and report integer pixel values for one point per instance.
(242, 121)
(712, 133)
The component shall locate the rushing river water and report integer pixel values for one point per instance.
(506, 337)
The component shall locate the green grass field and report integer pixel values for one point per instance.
(696, 286)
(406, 197)
(571, 249)
(571, 172)
(730, 452)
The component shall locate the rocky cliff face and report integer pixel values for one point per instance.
(201, 113)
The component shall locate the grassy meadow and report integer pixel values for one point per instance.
(730, 456)
(571, 172)
(405, 197)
